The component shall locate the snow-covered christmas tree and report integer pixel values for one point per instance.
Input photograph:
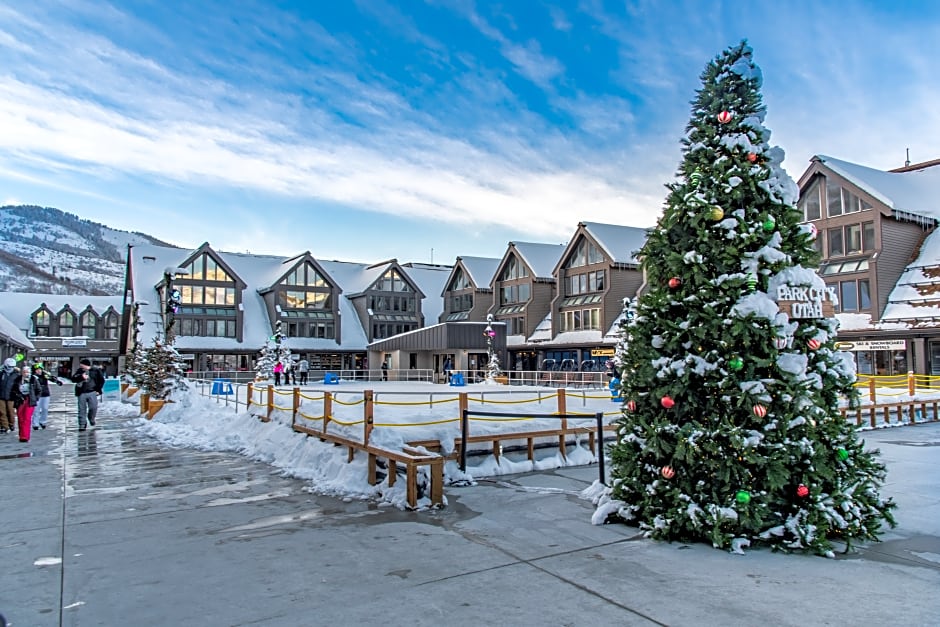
(136, 358)
(161, 370)
(731, 431)
(264, 368)
(492, 362)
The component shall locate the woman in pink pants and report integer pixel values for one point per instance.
(28, 389)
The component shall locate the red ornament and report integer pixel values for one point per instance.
(631, 405)
(668, 472)
(760, 411)
(752, 157)
(724, 117)
(667, 402)
(675, 282)
(802, 491)
(813, 344)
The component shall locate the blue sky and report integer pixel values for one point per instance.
(369, 129)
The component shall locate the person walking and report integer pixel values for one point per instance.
(27, 391)
(89, 384)
(303, 367)
(278, 369)
(41, 415)
(448, 366)
(8, 376)
(384, 371)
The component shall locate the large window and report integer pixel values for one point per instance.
(307, 276)
(854, 295)
(89, 323)
(205, 267)
(518, 293)
(461, 302)
(207, 295)
(383, 329)
(304, 300)
(66, 324)
(810, 202)
(392, 303)
(584, 254)
(585, 282)
(460, 281)
(392, 281)
(581, 320)
(851, 239)
(514, 269)
(205, 327)
(840, 201)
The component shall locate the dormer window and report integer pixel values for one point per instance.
(840, 201)
(66, 324)
(89, 323)
(111, 325)
(584, 254)
(460, 281)
(514, 270)
(41, 321)
(392, 281)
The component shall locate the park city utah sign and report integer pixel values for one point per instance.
(802, 303)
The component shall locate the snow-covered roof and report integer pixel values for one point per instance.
(260, 272)
(13, 334)
(621, 243)
(915, 191)
(18, 307)
(543, 331)
(541, 258)
(480, 270)
(916, 295)
(582, 337)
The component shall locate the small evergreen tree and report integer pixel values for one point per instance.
(162, 371)
(264, 368)
(731, 431)
(134, 361)
(492, 363)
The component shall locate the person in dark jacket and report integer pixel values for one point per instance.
(27, 390)
(41, 415)
(89, 384)
(8, 376)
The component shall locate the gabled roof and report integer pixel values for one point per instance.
(621, 243)
(12, 334)
(916, 295)
(288, 265)
(480, 270)
(541, 258)
(915, 191)
(18, 307)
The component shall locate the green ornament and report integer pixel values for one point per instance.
(696, 177)
(751, 282)
(843, 454)
(743, 497)
(716, 213)
(735, 363)
(769, 224)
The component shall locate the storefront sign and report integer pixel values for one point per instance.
(602, 352)
(73, 342)
(873, 345)
(801, 303)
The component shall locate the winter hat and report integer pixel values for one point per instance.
(85, 362)
(9, 362)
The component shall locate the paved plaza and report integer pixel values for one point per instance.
(108, 527)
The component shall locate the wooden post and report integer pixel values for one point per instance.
(270, 409)
(437, 481)
(296, 405)
(911, 383)
(327, 408)
(371, 476)
(368, 415)
(462, 405)
(563, 409)
(251, 391)
(411, 487)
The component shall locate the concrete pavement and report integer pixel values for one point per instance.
(106, 527)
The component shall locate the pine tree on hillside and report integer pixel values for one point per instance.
(731, 431)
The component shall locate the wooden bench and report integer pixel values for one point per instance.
(412, 459)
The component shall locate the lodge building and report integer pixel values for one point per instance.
(554, 306)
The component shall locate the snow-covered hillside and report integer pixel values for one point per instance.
(46, 250)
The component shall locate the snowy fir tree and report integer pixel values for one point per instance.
(134, 362)
(162, 371)
(492, 362)
(731, 431)
(264, 368)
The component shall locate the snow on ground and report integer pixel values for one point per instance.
(404, 412)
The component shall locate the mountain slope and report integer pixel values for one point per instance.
(49, 251)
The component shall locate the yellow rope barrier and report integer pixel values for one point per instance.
(277, 391)
(416, 424)
(311, 398)
(306, 417)
(500, 419)
(282, 408)
(345, 424)
(428, 402)
(339, 402)
(528, 400)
